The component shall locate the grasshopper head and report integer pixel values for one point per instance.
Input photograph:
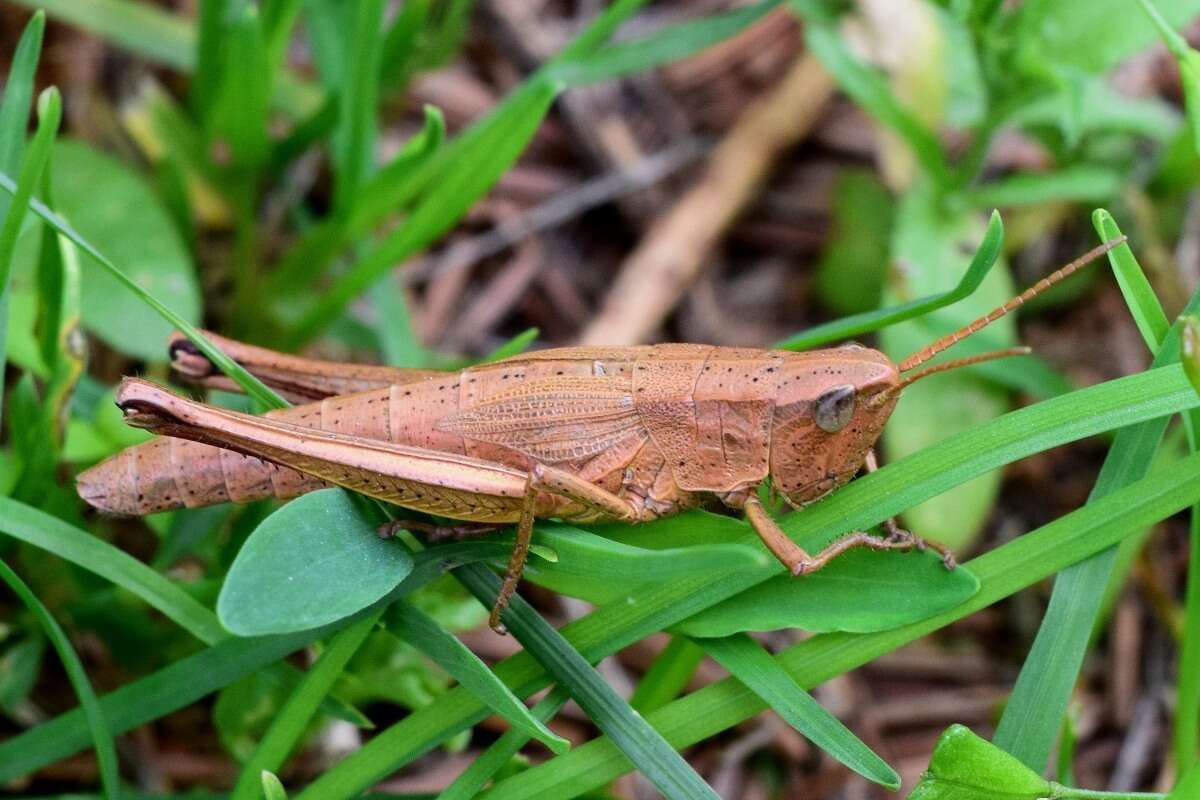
(830, 408)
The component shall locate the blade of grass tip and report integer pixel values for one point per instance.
(667, 676)
(1002, 572)
(1032, 718)
(414, 626)
(272, 787)
(662, 765)
(764, 676)
(866, 322)
(1135, 288)
(249, 384)
(292, 720)
(513, 347)
(18, 95)
(32, 165)
(492, 760)
(106, 754)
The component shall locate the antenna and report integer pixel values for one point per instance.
(949, 340)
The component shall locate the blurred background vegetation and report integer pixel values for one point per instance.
(430, 183)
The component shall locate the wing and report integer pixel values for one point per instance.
(553, 420)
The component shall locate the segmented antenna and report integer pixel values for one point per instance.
(964, 362)
(921, 356)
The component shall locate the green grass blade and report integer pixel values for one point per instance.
(667, 676)
(859, 505)
(481, 769)
(763, 675)
(354, 139)
(272, 787)
(18, 95)
(1002, 572)
(1187, 712)
(79, 547)
(210, 24)
(671, 43)
(1033, 716)
(1080, 183)
(290, 723)
(106, 754)
(460, 182)
(189, 679)
(847, 327)
(1143, 303)
(1189, 784)
(32, 166)
(424, 633)
(249, 384)
(513, 347)
(1189, 68)
(660, 763)
(163, 38)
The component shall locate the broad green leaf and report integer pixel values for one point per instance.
(760, 673)
(119, 213)
(928, 248)
(1093, 35)
(314, 561)
(597, 569)
(860, 591)
(966, 767)
(424, 633)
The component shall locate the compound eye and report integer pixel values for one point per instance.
(835, 408)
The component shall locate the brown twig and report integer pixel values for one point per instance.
(676, 247)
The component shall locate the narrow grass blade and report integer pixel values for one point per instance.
(662, 765)
(79, 547)
(18, 95)
(1002, 572)
(189, 679)
(861, 504)
(759, 672)
(1143, 303)
(671, 43)
(1082, 183)
(1186, 725)
(847, 327)
(272, 787)
(513, 347)
(151, 33)
(32, 166)
(289, 724)
(106, 754)
(667, 676)
(424, 633)
(249, 384)
(467, 785)
(354, 138)
(1189, 68)
(1033, 716)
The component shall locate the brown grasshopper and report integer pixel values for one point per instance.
(579, 433)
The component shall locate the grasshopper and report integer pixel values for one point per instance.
(579, 433)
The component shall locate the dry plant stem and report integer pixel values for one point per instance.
(677, 246)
